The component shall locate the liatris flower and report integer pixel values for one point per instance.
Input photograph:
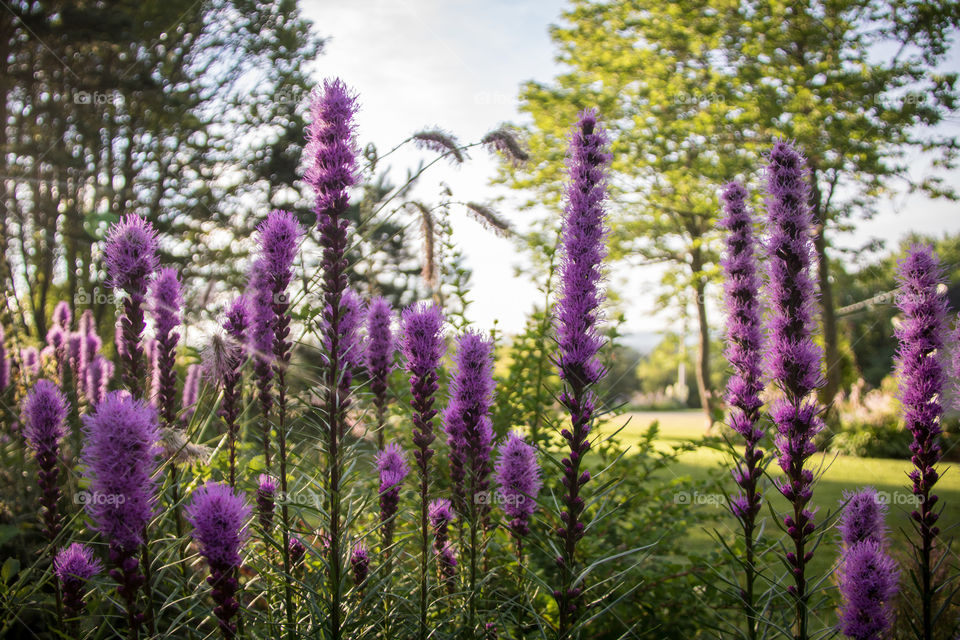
(921, 335)
(87, 325)
(793, 357)
(74, 349)
(89, 348)
(266, 489)
(423, 347)
(381, 347)
(577, 314)
(4, 362)
(360, 563)
(166, 301)
(74, 566)
(98, 375)
(349, 350)
(447, 565)
(63, 316)
(131, 258)
(863, 517)
(44, 412)
(744, 348)
(297, 552)
(120, 456)
(191, 391)
(518, 475)
(57, 339)
(868, 584)
(219, 517)
(441, 515)
(393, 469)
(331, 172)
(236, 323)
(31, 361)
(467, 417)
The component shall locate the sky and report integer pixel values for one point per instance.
(459, 64)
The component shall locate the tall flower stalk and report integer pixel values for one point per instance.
(45, 411)
(219, 517)
(577, 312)
(381, 347)
(122, 496)
(236, 323)
(467, 423)
(73, 567)
(793, 358)
(921, 336)
(423, 347)
(279, 236)
(131, 259)
(744, 349)
(332, 171)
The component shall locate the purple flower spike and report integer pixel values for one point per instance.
(120, 456)
(333, 169)
(868, 585)
(44, 412)
(467, 419)
(393, 469)
(219, 517)
(441, 515)
(57, 338)
(131, 258)
(87, 325)
(921, 336)
(297, 551)
(63, 316)
(447, 565)
(378, 359)
(863, 518)
(166, 302)
(4, 363)
(191, 391)
(518, 475)
(74, 566)
(31, 361)
(98, 375)
(266, 489)
(577, 314)
(360, 563)
(349, 350)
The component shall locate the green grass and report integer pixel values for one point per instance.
(837, 475)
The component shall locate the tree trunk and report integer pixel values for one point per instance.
(828, 315)
(703, 332)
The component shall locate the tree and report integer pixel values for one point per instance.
(694, 93)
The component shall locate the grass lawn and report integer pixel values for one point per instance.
(838, 474)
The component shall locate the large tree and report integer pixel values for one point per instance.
(695, 92)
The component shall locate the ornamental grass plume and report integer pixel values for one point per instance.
(378, 358)
(73, 567)
(744, 349)
(393, 469)
(422, 344)
(331, 171)
(120, 456)
(793, 358)
(131, 258)
(236, 324)
(44, 414)
(219, 517)
(921, 337)
(166, 301)
(577, 315)
(222, 360)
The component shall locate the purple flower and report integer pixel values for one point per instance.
(87, 325)
(441, 515)
(863, 517)
(518, 475)
(98, 375)
(57, 338)
(31, 361)
(219, 517)
(921, 337)
(237, 320)
(266, 489)
(393, 469)
(868, 584)
(44, 412)
(4, 363)
(120, 455)
(360, 563)
(166, 300)
(63, 316)
(131, 254)
(577, 314)
(447, 565)
(191, 391)
(131, 257)
(349, 348)
(793, 357)
(89, 348)
(297, 551)
(381, 347)
(330, 147)
(74, 566)
(467, 417)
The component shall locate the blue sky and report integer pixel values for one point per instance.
(458, 64)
